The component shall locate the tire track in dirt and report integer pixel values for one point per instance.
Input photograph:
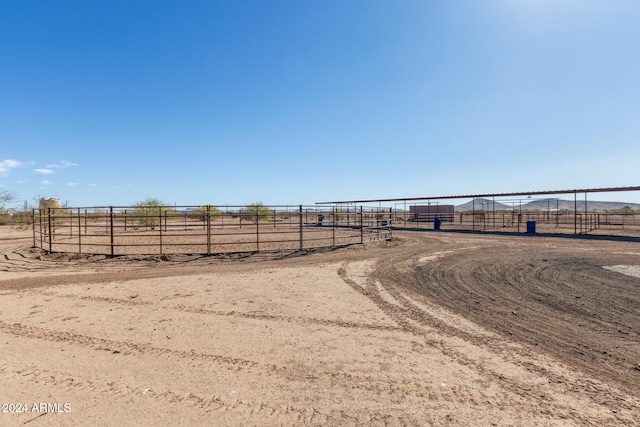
(219, 403)
(397, 299)
(331, 379)
(565, 305)
(20, 259)
(344, 380)
(600, 393)
(413, 320)
(108, 300)
(396, 275)
(49, 378)
(313, 375)
(296, 320)
(196, 310)
(15, 260)
(127, 348)
(410, 324)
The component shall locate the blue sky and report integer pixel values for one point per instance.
(287, 102)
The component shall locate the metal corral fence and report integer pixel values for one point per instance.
(210, 230)
(528, 212)
(554, 222)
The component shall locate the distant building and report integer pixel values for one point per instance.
(427, 213)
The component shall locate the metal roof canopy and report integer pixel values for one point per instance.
(473, 196)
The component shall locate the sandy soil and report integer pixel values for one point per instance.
(428, 329)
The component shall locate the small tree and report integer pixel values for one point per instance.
(22, 219)
(5, 197)
(201, 213)
(147, 213)
(256, 212)
(626, 210)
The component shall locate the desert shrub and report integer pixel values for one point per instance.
(201, 213)
(5, 216)
(626, 210)
(256, 212)
(147, 213)
(22, 218)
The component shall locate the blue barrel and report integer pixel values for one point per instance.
(531, 227)
(436, 224)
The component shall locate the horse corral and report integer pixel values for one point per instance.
(432, 327)
(207, 230)
(429, 328)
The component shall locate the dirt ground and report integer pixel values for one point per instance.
(431, 328)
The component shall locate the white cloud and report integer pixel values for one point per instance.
(7, 164)
(91, 184)
(72, 184)
(46, 182)
(43, 171)
(62, 165)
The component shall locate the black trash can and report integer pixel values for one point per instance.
(436, 224)
(531, 227)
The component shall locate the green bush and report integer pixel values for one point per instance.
(201, 213)
(147, 213)
(256, 212)
(22, 218)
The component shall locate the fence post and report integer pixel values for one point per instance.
(208, 229)
(333, 227)
(473, 215)
(33, 225)
(40, 226)
(575, 213)
(257, 230)
(586, 215)
(301, 238)
(111, 226)
(50, 233)
(160, 227)
(79, 233)
(361, 227)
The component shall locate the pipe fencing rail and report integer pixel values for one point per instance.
(617, 224)
(207, 230)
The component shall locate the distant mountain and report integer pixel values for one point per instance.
(479, 204)
(592, 205)
(551, 204)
